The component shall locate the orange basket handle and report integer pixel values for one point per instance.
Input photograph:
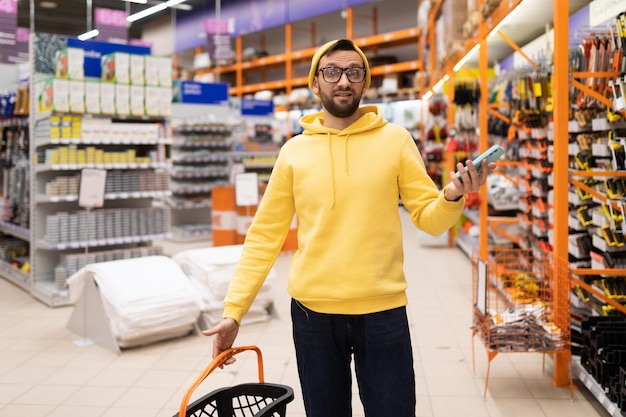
(218, 361)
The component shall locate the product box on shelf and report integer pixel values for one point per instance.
(137, 100)
(107, 98)
(151, 71)
(137, 69)
(70, 63)
(152, 101)
(165, 71)
(77, 96)
(92, 96)
(116, 67)
(165, 101)
(122, 99)
(52, 94)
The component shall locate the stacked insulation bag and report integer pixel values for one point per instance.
(210, 271)
(146, 299)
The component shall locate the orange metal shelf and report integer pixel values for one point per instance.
(390, 39)
(397, 68)
(385, 40)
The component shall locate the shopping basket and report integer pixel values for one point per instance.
(260, 399)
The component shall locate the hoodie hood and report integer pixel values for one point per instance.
(313, 124)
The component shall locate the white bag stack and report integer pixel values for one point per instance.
(146, 299)
(210, 271)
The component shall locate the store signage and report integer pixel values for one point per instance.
(200, 93)
(111, 24)
(218, 47)
(601, 11)
(8, 26)
(22, 36)
(247, 17)
(251, 107)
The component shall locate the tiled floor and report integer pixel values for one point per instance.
(44, 372)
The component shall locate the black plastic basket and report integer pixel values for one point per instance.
(260, 399)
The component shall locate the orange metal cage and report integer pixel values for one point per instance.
(514, 304)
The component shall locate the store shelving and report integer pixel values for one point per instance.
(60, 234)
(562, 180)
(437, 70)
(137, 178)
(594, 388)
(200, 162)
(290, 57)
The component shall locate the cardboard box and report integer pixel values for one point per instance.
(137, 69)
(122, 99)
(77, 96)
(137, 107)
(116, 67)
(165, 71)
(70, 63)
(92, 97)
(52, 95)
(151, 71)
(152, 101)
(107, 98)
(165, 101)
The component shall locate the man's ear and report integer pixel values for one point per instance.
(315, 86)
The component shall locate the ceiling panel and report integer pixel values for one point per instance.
(527, 22)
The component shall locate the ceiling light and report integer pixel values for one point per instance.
(48, 4)
(146, 12)
(152, 10)
(136, 1)
(88, 35)
(466, 58)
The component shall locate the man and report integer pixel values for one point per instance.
(342, 177)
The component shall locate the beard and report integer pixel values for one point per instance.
(342, 110)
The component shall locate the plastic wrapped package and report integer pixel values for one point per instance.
(145, 299)
(210, 270)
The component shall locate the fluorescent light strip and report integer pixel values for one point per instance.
(152, 10)
(136, 1)
(88, 35)
(441, 82)
(467, 56)
(504, 21)
(146, 12)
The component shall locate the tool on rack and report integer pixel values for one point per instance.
(616, 42)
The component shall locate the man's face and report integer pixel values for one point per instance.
(340, 99)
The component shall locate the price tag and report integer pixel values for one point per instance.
(247, 189)
(92, 185)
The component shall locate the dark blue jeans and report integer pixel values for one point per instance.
(383, 362)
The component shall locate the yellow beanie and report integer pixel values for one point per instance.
(323, 49)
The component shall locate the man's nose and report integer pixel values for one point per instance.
(343, 79)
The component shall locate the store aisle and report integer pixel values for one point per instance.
(43, 372)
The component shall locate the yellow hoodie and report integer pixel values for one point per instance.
(344, 188)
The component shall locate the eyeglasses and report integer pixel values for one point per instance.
(333, 74)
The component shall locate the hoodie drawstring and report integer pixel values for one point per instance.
(332, 169)
(345, 144)
(332, 164)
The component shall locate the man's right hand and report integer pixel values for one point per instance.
(225, 333)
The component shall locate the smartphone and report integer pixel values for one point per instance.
(492, 154)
